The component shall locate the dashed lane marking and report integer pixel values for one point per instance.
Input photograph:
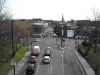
(38, 68)
(62, 63)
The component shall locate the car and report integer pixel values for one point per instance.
(54, 35)
(47, 53)
(35, 40)
(31, 69)
(35, 51)
(46, 60)
(32, 60)
(49, 49)
(36, 36)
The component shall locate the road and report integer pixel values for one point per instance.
(64, 61)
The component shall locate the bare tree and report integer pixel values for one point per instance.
(4, 13)
(5, 28)
(95, 32)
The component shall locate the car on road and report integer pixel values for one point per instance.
(35, 51)
(32, 60)
(35, 40)
(46, 60)
(49, 49)
(31, 69)
(54, 35)
(48, 52)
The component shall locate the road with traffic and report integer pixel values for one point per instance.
(63, 60)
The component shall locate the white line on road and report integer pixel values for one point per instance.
(51, 69)
(51, 66)
(38, 68)
(62, 63)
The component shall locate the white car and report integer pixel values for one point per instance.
(46, 59)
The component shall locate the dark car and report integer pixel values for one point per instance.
(31, 69)
(47, 53)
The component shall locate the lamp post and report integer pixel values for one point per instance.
(95, 40)
(13, 62)
(62, 33)
(78, 39)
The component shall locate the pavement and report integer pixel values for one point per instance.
(84, 65)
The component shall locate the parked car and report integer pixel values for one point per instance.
(35, 51)
(31, 69)
(46, 60)
(32, 60)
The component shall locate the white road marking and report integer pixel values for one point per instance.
(51, 69)
(62, 63)
(51, 65)
(47, 42)
(38, 68)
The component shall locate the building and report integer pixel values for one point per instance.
(38, 26)
(68, 29)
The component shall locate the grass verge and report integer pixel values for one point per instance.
(20, 53)
(92, 58)
(5, 67)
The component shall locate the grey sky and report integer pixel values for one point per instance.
(53, 9)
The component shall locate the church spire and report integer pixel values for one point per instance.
(62, 18)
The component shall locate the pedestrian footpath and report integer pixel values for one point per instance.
(85, 66)
(19, 66)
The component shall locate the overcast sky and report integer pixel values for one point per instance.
(53, 9)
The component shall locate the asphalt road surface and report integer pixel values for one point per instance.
(63, 60)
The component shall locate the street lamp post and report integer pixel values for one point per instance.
(13, 62)
(78, 40)
(62, 33)
(95, 40)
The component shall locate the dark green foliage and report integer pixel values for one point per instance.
(84, 43)
(57, 30)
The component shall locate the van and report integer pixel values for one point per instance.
(36, 51)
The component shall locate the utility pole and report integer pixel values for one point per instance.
(78, 40)
(95, 34)
(62, 32)
(13, 62)
(95, 39)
